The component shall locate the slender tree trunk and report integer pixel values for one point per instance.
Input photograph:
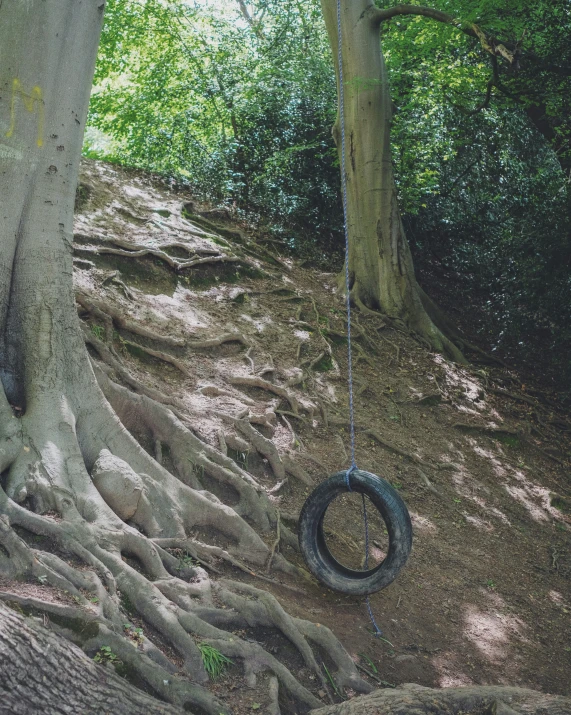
(380, 263)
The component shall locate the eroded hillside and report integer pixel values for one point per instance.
(186, 307)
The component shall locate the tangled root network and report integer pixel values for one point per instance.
(105, 532)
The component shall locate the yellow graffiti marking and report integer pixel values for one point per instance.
(33, 102)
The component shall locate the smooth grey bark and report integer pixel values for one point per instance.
(380, 263)
(64, 426)
(47, 58)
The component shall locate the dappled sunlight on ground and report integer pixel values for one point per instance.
(478, 523)
(467, 385)
(522, 496)
(492, 632)
(449, 675)
(497, 467)
(422, 523)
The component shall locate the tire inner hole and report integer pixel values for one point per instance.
(344, 532)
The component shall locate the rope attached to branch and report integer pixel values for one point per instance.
(377, 630)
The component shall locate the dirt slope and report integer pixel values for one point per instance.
(482, 461)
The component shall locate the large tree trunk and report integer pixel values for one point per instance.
(47, 57)
(69, 470)
(380, 263)
(42, 673)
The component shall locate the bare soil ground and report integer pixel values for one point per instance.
(481, 460)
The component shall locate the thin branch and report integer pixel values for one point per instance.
(378, 16)
(254, 24)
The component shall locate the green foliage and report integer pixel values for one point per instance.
(185, 560)
(106, 655)
(484, 180)
(369, 662)
(215, 662)
(241, 113)
(332, 682)
(136, 634)
(98, 331)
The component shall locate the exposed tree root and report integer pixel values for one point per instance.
(486, 429)
(106, 311)
(264, 446)
(423, 320)
(174, 607)
(386, 445)
(110, 360)
(220, 340)
(165, 357)
(121, 529)
(113, 277)
(250, 381)
(514, 396)
(191, 457)
(473, 700)
(296, 470)
(174, 263)
(215, 391)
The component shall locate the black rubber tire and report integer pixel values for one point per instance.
(319, 559)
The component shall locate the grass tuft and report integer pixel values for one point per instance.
(214, 661)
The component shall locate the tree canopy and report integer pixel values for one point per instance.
(238, 101)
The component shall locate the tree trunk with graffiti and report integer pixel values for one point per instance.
(58, 429)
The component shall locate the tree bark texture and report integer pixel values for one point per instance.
(47, 58)
(380, 263)
(43, 673)
(474, 700)
(65, 451)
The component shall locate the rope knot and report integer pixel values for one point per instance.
(348, 473)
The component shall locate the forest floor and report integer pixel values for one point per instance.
(480, 456)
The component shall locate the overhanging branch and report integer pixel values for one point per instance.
(378, 16)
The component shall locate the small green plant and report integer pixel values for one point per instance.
(385, 640)
(213, 660)
(369, 662)
(185, 561)
(324, 364)
(98, 331)
(333, 683)
(135, 634)
(106, 655)
(510, 440)
(241, 458)
(490, 584)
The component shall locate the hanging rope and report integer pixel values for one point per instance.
(346, 230)
(377, 630)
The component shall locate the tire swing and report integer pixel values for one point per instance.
(318, 557)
